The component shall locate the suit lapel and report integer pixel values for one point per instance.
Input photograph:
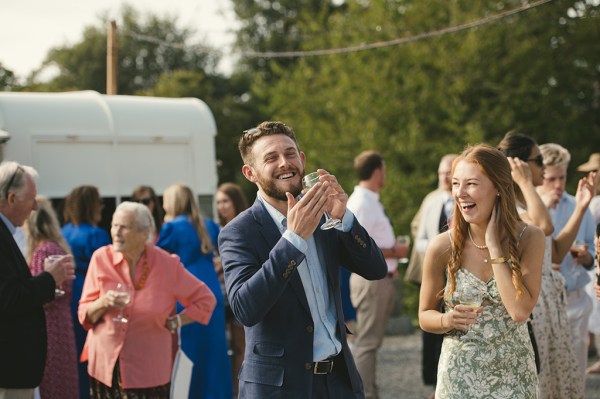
(22, 268)
(269, 231)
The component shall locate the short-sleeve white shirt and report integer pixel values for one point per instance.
(369, 212)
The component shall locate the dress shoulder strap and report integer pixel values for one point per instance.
(521, 234)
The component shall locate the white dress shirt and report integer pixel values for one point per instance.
(369, 212)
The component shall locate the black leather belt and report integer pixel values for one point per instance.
(326, 366)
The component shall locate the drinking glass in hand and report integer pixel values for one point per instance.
(471, 297)
(124, 292)
(403, 240)
(577, 247)
(58, 291)
(307, 182)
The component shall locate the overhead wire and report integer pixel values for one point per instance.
(393, 42)
(350, 49)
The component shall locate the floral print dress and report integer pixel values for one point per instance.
(494, 359)
(560, 377)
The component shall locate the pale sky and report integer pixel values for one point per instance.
(29, 28)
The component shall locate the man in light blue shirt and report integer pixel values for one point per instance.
(282, 274)
(573, 268)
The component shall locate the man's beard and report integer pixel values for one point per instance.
(270, 188)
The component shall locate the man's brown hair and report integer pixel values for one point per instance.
(366, 163)
(268, 128)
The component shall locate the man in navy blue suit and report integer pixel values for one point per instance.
(282, 274)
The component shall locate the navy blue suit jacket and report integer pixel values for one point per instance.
(267, 296)
(23, 329)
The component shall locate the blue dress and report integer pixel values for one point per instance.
(206, 345)
(83, 239)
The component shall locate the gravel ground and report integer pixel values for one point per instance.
(399, 369)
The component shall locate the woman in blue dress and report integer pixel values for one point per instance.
(82, 213)
(193, 239)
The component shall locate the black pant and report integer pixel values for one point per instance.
(432, 348)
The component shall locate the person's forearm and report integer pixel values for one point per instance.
(96, 310)
(562, 243)
(536, 209)
(434, 322)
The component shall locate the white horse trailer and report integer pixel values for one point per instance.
(113, 142)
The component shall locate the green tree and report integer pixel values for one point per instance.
(418, 101)
(8, 80)
(148, 46)
(537, 70)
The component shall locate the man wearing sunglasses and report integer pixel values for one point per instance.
(22, 297)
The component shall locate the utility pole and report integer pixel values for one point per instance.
(112, 58)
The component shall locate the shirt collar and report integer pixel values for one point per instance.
(278, 217)
(366, 192)
(8, 223)
(118, 257)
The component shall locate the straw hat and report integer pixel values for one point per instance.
(592, 164)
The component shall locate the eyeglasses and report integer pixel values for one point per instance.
(539, 160)
(12, 180)
(145, 201)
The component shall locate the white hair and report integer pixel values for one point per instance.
(9, 170)
(143, 218)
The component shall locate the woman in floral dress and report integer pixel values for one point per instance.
(559, 375)
(486, 352)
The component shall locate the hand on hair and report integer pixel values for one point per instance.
(520, 171)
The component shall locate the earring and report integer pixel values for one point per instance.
(497, 195)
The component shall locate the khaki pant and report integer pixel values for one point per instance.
(16, 393)
(373, 301)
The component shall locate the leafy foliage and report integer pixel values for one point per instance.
(148, 46)
(8, 80)
(416, 102)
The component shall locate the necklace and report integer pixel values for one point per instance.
(142, 282)
(471, 237)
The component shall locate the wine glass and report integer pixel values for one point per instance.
(403, 240)
(471, 297)
(577, 247)
(124, 292)
(307, 182)
(58, 291)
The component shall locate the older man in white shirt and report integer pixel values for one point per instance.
(373, 300)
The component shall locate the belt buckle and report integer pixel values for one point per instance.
(327, 367)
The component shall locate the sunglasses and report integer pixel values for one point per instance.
(145, 201)
(539, 160)
(251, 132)
(12, 180)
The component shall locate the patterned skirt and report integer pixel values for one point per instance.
(100, 391)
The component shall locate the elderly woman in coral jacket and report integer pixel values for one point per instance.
(129, 338)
